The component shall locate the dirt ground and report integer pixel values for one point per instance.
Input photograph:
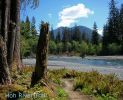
(74, 95)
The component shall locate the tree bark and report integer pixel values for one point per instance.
(5, 18)
(11, 33)
(17, 59)
(14, 35)
(4, 70)
(41, 55)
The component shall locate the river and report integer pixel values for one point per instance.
(104, 65)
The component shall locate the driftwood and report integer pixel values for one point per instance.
(41, 55)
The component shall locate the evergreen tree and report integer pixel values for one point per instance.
(117, 26)
(27, 27)
(65, 38)
(70, 35)
(113, 22)
(22, 28)
(84, 38)
(76, 33)
(105, 39)
(28, 22)
(121, 27)
(58, 36)
(52, 37)
(121, 23)
(33, 28)
(95, 35)
(65, 35)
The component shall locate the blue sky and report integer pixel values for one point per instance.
(68, 12)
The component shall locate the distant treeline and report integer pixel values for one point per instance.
(76, 42)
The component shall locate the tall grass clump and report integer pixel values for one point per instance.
(103, 86)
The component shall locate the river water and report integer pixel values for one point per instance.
(104, 66)
(115, 63)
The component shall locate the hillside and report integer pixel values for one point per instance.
(82, 29)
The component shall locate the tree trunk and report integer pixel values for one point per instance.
(14, 35)
(17, 59)
(11, 34)
(5, 18)
(41, 55)
(4, 70)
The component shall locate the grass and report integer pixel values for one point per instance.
(107, 87)
(61, 93)
(102, 87)
(21, 85)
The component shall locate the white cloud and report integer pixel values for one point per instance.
(71, 14)
(100, 31)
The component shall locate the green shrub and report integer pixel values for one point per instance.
(114, 48)
(75, 46)
(52, 47)
(69, 45)
(91, 49)
(59, 47)
(83, 49)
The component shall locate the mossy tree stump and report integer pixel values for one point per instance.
(41, 55)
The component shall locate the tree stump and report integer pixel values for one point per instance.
(41, 55)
